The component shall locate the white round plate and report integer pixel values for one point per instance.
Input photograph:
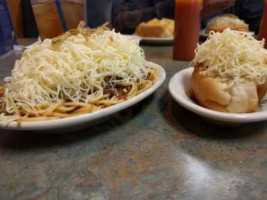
(178, 86)
(86, 120)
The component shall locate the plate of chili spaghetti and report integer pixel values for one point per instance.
(75, 79)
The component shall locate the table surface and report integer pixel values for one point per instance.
(155, 150)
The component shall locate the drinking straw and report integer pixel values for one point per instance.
(61, 15)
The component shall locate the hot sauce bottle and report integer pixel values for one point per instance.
(263, 27)
(187, 27)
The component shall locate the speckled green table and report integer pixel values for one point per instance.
(154, 151)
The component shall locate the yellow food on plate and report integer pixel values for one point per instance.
(159, 28)
(81, 71)
(220, 23)
(230, 71)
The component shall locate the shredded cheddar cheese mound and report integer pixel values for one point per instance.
(233, 55)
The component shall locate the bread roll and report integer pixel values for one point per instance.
(215, 93)
(160, 28)
(149, 31)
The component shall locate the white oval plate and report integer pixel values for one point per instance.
(86, 120)
(178, 86)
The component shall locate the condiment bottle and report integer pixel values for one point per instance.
(263, 27)
(187, 28)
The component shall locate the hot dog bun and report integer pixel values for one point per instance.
(215, 94)
(230, 72)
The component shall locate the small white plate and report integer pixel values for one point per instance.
(86, 120)
(178, 86)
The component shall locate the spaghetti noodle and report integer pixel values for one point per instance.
(79, 72)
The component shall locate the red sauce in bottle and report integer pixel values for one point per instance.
(187, 26)
(263, 27)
